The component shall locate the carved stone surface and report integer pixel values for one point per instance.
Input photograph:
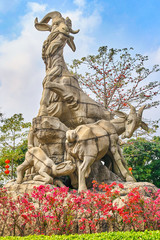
(49, 133)
(72, 133)
(100, 173)
(44, 166)
(91, 142)
(62, 96)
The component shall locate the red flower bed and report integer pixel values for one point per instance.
(61, 211)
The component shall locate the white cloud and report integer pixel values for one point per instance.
(154, 59)
(85, 39)
(35, 7)
(86, 24)
(22, 70)
(155, 55)
(80, 3)
(21, 67)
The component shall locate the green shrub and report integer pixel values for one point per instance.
(146, 235)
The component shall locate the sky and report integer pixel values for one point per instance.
(115, 23)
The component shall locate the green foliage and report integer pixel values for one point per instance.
(144, 157)
(17, 155)
(12, 129)
(147, 235)
(13, 143)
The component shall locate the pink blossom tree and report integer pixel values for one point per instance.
(115, 77)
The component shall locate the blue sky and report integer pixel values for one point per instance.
(132, 22)
(116, 23)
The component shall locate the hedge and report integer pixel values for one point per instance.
(146, 235)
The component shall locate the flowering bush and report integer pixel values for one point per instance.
(60, 211)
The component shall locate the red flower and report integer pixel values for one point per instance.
(7, 171)
(7, 161)
(120, 185)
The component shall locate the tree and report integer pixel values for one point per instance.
(13, 143)
(115, 77)
(144, 158)
(153, 126)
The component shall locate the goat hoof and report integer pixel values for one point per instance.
(129, 179)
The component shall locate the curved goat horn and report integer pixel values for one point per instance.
(74, 32)
(43, 24)
(69, 24)
(133, 110)
(140, 111)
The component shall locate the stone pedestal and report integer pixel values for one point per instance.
(101, 174)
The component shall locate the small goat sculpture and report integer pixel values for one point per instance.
(44, 166)
(91, 142)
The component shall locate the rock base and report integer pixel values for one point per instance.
(15, 189)
(27, 187)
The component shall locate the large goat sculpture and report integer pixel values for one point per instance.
(62, 96)
(91, 142)
(53, 149)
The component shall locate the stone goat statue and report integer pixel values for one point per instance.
(91, 142)
(44, 166)
(62, 96)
